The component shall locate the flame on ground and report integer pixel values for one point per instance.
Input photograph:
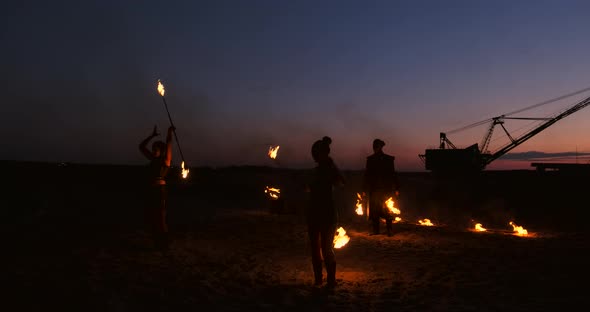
(359, 204)
(480, 228)
(390, 205)
(273, 192)
(425, 222)
(396, 220)
(341, 239)
(272, 151)
(161, 89)
(184, 171)
(518, 230)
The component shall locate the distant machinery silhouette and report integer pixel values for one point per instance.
(447, 158)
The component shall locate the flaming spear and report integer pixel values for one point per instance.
(162, 91)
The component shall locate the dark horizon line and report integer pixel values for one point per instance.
(536, 155)
(265, 167)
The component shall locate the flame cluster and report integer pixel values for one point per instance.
(273, 192)
(184, 170)
(518, 230)
(389, 203)
(480, 228)
(273, 151)
(340, 239)
(359, 204)
(161, 89)
(425, 222)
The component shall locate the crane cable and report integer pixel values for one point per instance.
(479, 123)
(535, 124)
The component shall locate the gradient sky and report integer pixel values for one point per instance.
(79, 77)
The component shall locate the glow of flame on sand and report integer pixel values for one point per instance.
(184, 171)
(340, 239)
(518, 230)
(161, 89)
(272, 152)
(389, 203)
(480, 228)
(359, 204)
(396, 220)
(425, 222)
(274, 193)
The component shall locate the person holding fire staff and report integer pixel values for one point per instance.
(160, 157)
(379, 183)
(321, 214)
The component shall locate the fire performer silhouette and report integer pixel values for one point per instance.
(379, 183)
(160, 157)
(321, 214)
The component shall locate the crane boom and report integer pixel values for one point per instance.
(473, 158)
(514, 143)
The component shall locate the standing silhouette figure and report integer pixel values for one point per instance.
(321, 214)
(379, 183)
(160, 157)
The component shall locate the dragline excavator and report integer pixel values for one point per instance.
(450, 159)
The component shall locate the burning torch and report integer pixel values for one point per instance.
(162, 91)
(273, 151)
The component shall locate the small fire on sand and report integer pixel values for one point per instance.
(273, 192)
(359, 204)
(390, 205)
(480, 228)
(396, 220)
(272, 151)
(340, 239)
(425, 222)
(519, 230)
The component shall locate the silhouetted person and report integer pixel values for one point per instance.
(159, 157)
(379, 183)
(321, 214)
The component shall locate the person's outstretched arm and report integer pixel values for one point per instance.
(143, 144)
(168, 158)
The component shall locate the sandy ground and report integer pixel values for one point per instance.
(235, 255)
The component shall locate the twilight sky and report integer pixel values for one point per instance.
(79, 77)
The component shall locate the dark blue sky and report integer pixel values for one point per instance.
(79, 78)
